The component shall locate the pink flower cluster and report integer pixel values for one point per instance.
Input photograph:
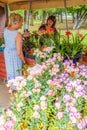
(7, 120)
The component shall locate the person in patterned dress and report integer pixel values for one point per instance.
(13, 53)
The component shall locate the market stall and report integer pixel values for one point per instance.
(53, 93)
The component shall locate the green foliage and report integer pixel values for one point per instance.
(30, 42)
(1, 109)
(1, 41)
(21, 12)
(72, 44)
(77, 44)
(80, 104)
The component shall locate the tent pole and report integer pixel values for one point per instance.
(26, 19)
(27, 15)
(6, 13)
(66, 15)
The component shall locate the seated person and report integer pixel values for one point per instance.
(49, 26)
(51, 21)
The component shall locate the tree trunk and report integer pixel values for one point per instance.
(73, 18)
(61, 17)
(44, 17)
(31, 18)
(58, 16)
(26, 19)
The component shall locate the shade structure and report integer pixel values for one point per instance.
(40, 4)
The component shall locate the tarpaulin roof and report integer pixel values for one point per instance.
(40, 4)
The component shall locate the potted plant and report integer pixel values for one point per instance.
(84, 58)
(29, 44)
(74, 45)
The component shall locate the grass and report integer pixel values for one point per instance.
(60, 26)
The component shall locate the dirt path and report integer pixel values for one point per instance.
(4, 95)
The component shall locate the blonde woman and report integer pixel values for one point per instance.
(13, 47)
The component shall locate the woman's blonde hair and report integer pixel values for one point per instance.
(14, 17)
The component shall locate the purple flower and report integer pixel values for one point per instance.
(68, 88)
(57, 105)
(78, 115)
(73, 109)
(85, 120)
(79, 88)
(83, 123)
(66, 98)
(79, 125)
(73, 100)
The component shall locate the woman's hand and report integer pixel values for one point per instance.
(26, 34)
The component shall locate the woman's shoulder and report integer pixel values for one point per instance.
(19, 35)
(10, 30)
(5, 28)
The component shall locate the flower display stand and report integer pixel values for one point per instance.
(2, 66)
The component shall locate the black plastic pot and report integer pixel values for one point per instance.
(29, 56)
(75, 58)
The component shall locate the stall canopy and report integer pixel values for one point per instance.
(40, 4)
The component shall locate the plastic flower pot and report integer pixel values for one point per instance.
(84, 58)
(30, 61)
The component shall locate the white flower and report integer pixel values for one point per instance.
(2, 120)
(43, 105)
(57, 105)
(42, 98)
(36, 107)
(59, 115)
(73, 119)
(19, 105)
(36, 115)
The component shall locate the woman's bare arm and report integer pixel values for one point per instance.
(19, 46)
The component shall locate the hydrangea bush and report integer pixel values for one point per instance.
(53, 96)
